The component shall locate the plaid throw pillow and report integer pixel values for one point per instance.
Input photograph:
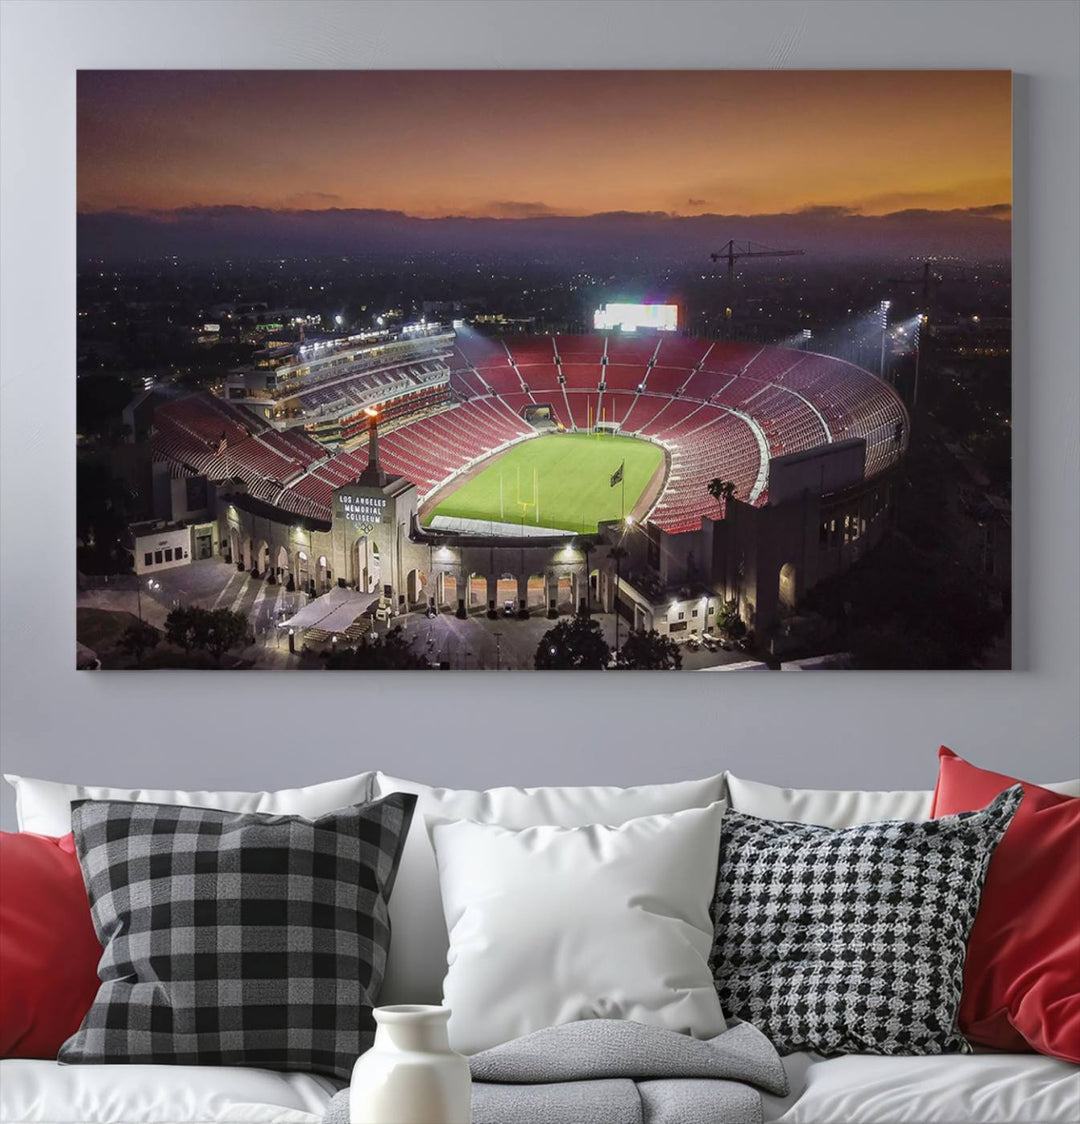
(236, 938)
(853, 941)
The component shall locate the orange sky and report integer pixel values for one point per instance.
(506, 143)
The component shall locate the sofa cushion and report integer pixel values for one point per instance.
(971, 1089)
(836, 808)
(839, 807)
(42, 1092)
(552, 925)
(417, 964)
(949, 1089)
(44, 807)
(851, 941)
(49, 952)
(1022, 975)
(236, 939)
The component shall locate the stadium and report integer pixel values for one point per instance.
(446, 468)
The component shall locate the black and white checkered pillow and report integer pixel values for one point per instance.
(851, 941)
(236, 939)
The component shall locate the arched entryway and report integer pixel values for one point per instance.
(281, 565)
(323, 574)
(415, 586)
(261, 558)
(786, 593)
(303, 570)
(367, 570)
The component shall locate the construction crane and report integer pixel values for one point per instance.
(929, 276)
(733, 250)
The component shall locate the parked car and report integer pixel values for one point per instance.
(692, 644)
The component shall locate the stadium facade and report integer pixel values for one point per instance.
(324, 462)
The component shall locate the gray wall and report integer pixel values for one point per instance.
(860, 730)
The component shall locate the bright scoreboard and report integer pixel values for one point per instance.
(631, 317)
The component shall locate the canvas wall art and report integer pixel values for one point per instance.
(526, 370)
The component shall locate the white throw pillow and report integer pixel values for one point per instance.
(418, 942)
(839, 808)
(44, 807)
(550, 925)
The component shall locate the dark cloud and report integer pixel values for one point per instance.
(513, 209)
(993, 211)
(216, 232)
(827, 211)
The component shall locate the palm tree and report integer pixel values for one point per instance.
(723, 491)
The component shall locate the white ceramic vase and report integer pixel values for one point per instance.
(410, 1075)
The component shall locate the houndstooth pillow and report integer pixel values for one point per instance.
(236, 938)
(851, 941)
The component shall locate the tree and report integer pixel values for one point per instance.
(390, 652)
(728, 621)
(221, 629)
(180, 628)
(137, 638)
(649, 651)
(723, 491)
(576, 644)
(214, 631)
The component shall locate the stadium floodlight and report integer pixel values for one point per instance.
(884, 310)
(339, 320)
(920, 320)
(807, 334)
(629, 520)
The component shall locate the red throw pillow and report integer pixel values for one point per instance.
(48, 950)
(1022, 975)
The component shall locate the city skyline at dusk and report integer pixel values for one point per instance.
(527, 144)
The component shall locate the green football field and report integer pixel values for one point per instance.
(560, 480)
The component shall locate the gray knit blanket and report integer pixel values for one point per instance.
(607, 1071)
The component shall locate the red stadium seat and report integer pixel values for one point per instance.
(794, 400)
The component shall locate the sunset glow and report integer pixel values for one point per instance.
(522, 144)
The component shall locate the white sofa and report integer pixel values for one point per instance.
(981, 1088)
(973, 1089)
